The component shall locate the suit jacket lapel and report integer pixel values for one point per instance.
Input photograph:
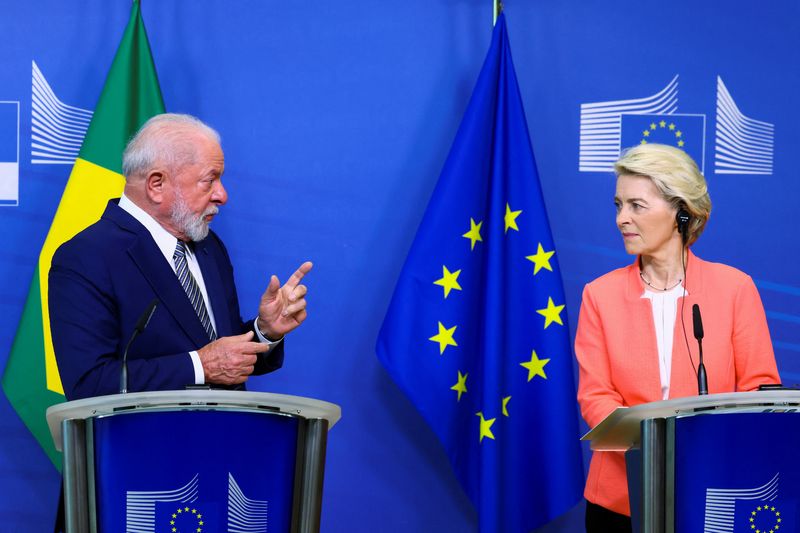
(213, 283)
(150, 261)
(162, 278)
(642, 327)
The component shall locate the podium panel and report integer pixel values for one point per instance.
(718, 463)
(194, 470)
(737, 472)
(199, 461)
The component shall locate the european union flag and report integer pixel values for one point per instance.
(476, 332)
(687, 132)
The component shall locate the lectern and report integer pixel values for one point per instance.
(198, 460)
(716, 463)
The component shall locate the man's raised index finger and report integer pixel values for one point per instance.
(304, 269)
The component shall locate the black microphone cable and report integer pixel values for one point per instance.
(684, 264)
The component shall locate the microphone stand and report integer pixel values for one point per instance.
(139, 328)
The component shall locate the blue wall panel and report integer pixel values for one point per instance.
(336, 118)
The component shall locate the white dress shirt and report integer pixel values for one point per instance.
(665, 310)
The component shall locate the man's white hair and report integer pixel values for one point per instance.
(163, 140)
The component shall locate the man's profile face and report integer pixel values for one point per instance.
(197, 190)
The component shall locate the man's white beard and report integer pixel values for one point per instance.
(193, 226)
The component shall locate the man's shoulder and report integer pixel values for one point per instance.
(100, 238)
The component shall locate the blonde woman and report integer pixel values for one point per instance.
(632, 342)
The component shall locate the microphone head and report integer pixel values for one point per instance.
(698, 322)
(147, 315)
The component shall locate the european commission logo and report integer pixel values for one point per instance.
(57, 132)
(742, 145)
(749, 510)
(183, 510)
(57, 129)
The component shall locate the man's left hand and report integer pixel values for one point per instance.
(283, 308)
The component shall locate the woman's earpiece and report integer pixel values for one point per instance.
(682, 218)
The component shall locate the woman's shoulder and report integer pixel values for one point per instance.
(612, 281)
(720, 272)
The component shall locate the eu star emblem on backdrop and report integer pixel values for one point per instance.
(476, 333)
(684, 131)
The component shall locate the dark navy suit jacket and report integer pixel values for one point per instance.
(100, 283)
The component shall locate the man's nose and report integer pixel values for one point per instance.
(219, 195)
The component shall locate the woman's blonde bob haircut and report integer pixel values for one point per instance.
(676, 175)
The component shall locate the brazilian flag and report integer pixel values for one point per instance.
(130, 96)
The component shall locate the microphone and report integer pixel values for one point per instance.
(144, 319)
(702, 379)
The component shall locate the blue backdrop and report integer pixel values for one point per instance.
(336, 118)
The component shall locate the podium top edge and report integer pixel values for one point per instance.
(192, 399)
(619, 431)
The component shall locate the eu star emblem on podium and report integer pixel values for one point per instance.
(185, 519)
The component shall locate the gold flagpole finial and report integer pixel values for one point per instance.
(498, 8)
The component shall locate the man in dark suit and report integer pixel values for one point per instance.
(154, 243)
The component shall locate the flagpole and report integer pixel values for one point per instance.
(498, 8)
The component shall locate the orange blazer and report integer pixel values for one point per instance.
(617, 354)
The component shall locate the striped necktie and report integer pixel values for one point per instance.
(192, 289)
